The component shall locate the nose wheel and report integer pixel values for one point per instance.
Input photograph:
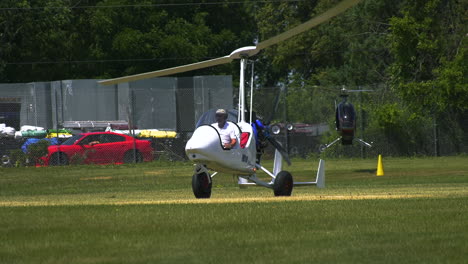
(201, 184)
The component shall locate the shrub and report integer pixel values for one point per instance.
(38, 150)
(18, 158)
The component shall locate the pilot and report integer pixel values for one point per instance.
(225, 129)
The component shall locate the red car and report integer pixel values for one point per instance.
(99, 148)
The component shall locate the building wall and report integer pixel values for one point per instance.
(34, 101)
(163, 103)
(154, 103)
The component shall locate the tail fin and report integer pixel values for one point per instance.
(319, 179)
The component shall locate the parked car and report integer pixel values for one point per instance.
(99, 148)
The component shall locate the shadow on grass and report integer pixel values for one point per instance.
(372, 171)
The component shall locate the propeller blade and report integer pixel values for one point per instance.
(330, 13)
(280, 148)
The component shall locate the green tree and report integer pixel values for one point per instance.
(155, 37)
(350, 50)
(42, 35)
(430, 67)
(54, 39)
(428, 43)
(11, 27)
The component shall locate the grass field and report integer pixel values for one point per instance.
(146, 213)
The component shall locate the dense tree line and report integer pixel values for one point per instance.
(71, 39)
(413, 52)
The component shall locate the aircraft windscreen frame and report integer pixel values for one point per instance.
(209, 117)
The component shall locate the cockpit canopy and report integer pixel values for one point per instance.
(209, 117)
(345, 116)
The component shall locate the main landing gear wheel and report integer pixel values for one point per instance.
(283, 184)
(201, 185)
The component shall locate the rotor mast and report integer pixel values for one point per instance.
(241, 113)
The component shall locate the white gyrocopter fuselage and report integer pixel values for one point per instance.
(205, 147)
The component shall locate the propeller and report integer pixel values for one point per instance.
(280, 148)
(274, 110)
(268, 129)
(241, 52)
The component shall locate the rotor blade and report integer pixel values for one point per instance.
(169, 71)
(241, 52)
(330, 13)
(357, 91)
(280, 148)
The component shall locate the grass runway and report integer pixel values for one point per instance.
(146, 213)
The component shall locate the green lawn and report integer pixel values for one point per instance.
(146, 213)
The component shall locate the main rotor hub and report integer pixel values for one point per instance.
(244, 52)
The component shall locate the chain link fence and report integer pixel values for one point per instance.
(390, 126)
(81, 122)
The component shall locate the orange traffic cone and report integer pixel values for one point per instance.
(380, 171)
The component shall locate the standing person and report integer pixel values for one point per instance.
(225, 129)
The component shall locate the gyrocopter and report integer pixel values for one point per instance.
(205, 148)
(345, 121)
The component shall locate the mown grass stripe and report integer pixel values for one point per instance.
(222, 200)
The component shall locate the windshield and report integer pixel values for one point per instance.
(346, 111)
(72, 140)
(209, 117)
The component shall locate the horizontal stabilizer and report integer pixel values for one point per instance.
(319, 179)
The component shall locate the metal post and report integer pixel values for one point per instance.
(285, 111)
(361, 132)
(436, 138)
(133, 126)
(56, 117)
(35, 105)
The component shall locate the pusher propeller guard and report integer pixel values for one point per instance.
(279, 148)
